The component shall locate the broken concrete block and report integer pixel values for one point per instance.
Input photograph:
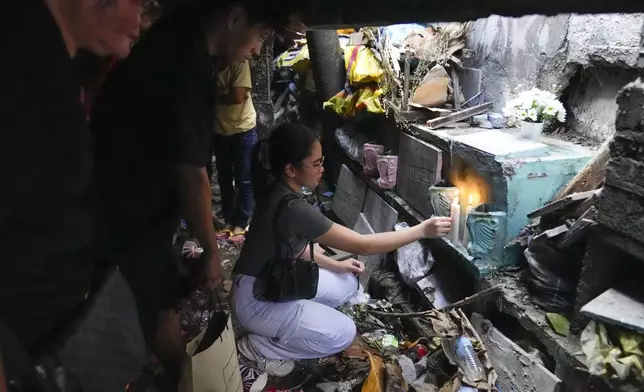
(497, 120)
(617, 308)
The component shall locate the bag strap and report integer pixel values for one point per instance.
(209, 306)
(278, 211)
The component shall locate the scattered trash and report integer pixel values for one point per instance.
(352, 142)
(408, 369)
(559, 323)
(341, 386)
(414, 260)
(614, 353)
(467, 359)
(376, 379)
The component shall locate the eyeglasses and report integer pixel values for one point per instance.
(316, 165)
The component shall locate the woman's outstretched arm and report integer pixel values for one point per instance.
(345, 239)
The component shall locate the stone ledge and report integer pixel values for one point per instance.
(626, 174)
(622, 212)
(514, 301)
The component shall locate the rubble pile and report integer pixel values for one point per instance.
(385, 356)
(555, 241)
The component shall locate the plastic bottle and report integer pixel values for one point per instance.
(467, 359)
(464, 388)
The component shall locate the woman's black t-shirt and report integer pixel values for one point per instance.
(298, 223)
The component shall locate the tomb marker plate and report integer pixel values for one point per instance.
(419, 167)
(379, 213)
(371, 263)
(349, 197)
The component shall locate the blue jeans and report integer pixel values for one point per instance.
(233, 159)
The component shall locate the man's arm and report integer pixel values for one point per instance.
(236, 96)
(192, 147)
(240, 85)
(196, 204)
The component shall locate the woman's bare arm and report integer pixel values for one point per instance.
(345, 239)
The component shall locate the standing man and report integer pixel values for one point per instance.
(153, 124)
(48, 225)
(235, 137)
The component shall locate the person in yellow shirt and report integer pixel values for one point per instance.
(235, 137)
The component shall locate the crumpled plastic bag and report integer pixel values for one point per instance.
(362, 65)
(296, 58)
(604, 357)
(352, 142)
(347, 103)
(414, 261)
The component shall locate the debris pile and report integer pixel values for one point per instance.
(386, 358)
(556, 238)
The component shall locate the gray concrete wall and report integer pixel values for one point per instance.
(597, 53)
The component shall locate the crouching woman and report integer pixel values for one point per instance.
(279, 332)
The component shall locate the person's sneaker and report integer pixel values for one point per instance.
(273, 367)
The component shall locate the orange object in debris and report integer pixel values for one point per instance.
(376, 380)
(346, 31)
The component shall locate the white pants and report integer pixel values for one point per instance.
(303, 329)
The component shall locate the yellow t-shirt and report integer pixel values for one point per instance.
(232, 119)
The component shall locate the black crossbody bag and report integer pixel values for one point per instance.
(290, 278)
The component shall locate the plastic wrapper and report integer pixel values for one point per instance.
(549, 291)
(414, 261)
(352, 142)
(347, 103)
(362, 65)
(296, 58)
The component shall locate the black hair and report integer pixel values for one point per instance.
(272, 13)
(288, 143)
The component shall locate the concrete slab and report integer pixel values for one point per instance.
(371, 263)
(419, 166)
(349, 197)
(502, 144)
(516, 370)
(381, 216)
(617, 308)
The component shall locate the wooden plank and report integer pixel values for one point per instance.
(578, 230)
(456, 90)
(590, 177)
(459, 116)
(617, 308)
(516, 370)
(552, 233)
(560, 204)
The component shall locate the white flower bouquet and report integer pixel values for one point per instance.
(535, 106)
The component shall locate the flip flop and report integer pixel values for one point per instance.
(223, 234)
(237, 236)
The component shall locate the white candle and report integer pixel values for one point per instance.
(466, 233)
(455, 214)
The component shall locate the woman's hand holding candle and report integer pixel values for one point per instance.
(438, 226)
